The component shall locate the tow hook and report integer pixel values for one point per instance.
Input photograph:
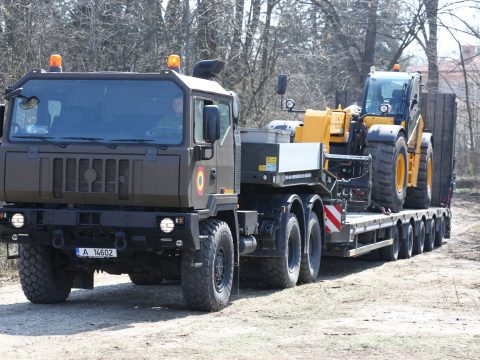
(120, 240)
(58, 242)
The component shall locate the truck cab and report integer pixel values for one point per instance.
(114, 171)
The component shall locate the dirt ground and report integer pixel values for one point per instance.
(426, 307)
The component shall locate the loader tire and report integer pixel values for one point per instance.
(420, 197)
(43, 274)
(146, 277)
(389, 173)
(282, 272)
(310, 263)
(208, 287)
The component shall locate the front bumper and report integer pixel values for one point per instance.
(101, 229)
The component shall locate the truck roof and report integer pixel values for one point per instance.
(191, 82)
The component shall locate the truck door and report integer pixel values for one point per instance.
(224, 150)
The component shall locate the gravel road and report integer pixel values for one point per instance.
(425, 307)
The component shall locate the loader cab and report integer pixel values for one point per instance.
(393, 95)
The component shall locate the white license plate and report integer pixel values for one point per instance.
(96, 253)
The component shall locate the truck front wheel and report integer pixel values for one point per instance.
(146, 277)
(208, 286)
(43, 274)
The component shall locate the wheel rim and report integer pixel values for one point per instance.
(410, 240)
(396, 244)
(429, 176)
(292, 254)
(220, 269)
(400, 172)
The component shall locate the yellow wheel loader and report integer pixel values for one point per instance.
(389, 128)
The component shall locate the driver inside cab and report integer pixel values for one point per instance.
(171, 123)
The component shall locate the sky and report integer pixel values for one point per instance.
(447, 46)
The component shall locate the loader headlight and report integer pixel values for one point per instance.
(289, 104)
(167, 225)
(17, 220)
(385, 108)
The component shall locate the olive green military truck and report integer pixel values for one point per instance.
(150, 175)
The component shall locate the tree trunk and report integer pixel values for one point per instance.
(431, 7)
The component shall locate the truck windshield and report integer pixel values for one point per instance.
(122, 111)
(386, 90)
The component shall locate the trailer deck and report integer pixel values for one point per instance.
(359, 233)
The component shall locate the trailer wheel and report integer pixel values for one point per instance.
(430, 235)
(406, 244)
(440, 232)
(146, 277)
(389, 173)
(390, 253)
(420, 197)
(419, 242)
(310, 263)
(282, 272)
(208, 287)
(43, 274)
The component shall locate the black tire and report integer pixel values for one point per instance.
(390, 253)
(430, 235)
(440, 232)
(406, 243)
(420, 197)
(310, 263)
(388, 189)
(146, 277)
(419, 242)
(282, 272)
(208, 287)
(43, 274)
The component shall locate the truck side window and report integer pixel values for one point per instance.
(224, 109)
(198, 119)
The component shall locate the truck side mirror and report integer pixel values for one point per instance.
(211, 123)
(282, 84)
(2, 115)
(235, 107)
(413, 102)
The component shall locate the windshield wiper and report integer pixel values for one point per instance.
(133, 140)
(92, 139)
(46, 139)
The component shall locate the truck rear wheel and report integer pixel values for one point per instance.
(208, 287)
(146, 277)
(43, 274)
(390, 253)
(406, 243)
(282, 272)
(310, 264)
(440, 232)
(389, 173)
(419, 242)
(420, 197)
(430, 235)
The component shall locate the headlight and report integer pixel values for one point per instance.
(167, 225)
(17, 220)
(384, 108)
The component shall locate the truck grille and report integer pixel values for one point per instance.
(91, 176)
